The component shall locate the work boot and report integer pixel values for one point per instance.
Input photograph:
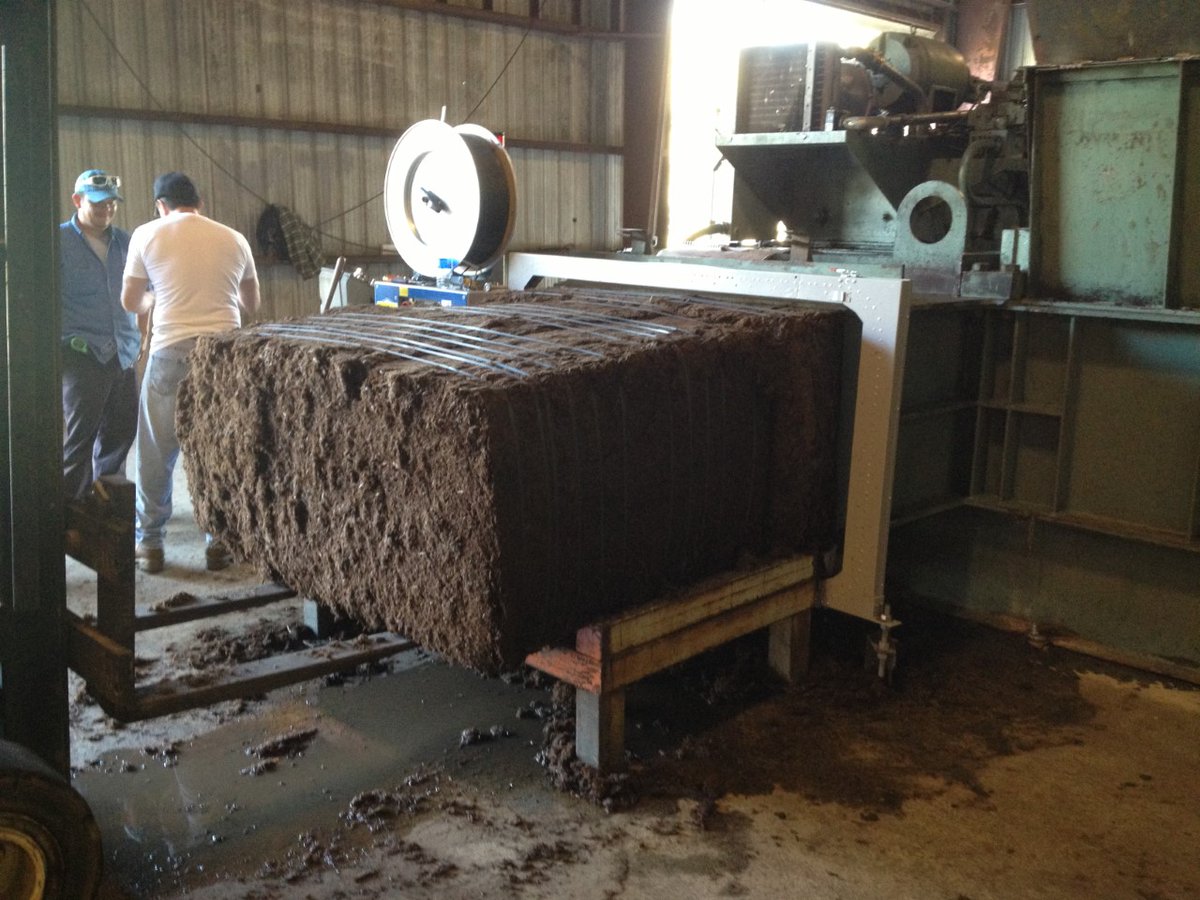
(217, 556)
(148, 559)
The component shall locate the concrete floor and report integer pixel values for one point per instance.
(993, 770)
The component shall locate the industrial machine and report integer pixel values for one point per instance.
(894, 174)
(891, 156)
(1030, 248)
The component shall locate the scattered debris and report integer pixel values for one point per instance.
(528, 676)
(568, 773)
(536, 709)
(82, 696)
(175, 601)
(313, 853)
(262, 767)
(215, 646)
(471, 736)
(703, 812)
(290, 744)
(374, 808)
(538, 860)
(168, 754)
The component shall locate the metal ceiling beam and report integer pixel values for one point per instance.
(533, 21)
(919, 13)
(117, 113)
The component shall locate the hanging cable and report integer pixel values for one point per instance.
(488, 92)
(232, 177)
(466, 118)
(341, 239)
(162, 108)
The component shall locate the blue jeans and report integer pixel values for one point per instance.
(157, 447)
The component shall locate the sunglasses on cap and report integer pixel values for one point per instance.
(102, 181)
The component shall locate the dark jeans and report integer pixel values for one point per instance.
(99, 419)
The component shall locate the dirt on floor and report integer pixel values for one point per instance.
(992, 768)
(711, 745)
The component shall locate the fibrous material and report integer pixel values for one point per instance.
(485, 480)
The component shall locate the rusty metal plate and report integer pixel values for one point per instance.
(1067, 31)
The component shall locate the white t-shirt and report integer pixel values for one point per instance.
(194, 265)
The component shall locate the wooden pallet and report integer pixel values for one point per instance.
(613, 654)
(99, 534)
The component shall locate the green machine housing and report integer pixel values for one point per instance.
(1048, 468)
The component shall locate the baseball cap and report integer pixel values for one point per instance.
(98, 186)
(177, 188)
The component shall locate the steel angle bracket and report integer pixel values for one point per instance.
(882, 305)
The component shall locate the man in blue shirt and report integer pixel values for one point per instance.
(100, 340)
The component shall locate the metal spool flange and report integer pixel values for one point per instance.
(931, 226)
(449, 193)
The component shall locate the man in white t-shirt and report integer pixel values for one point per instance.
(203, 278)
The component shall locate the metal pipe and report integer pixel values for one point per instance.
(386, 345)
(866, 123)
(595, 326)
(34, 698)
(179, 117)
(461, 326)
(310, 338)
(455, 337)
(338, 268)
(589, 322)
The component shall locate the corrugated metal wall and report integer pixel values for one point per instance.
(307, 65)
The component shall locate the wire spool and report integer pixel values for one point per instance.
(449, 193)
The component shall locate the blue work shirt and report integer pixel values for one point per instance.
(91, 295)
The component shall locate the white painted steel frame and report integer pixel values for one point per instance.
(881, 304)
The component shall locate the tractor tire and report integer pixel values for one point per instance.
(49, 842)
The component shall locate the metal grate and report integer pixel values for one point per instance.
(771, 83)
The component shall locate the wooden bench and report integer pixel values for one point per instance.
(613, 654)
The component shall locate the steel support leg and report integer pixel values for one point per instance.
(33, 672)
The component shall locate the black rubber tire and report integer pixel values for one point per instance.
(49, 841)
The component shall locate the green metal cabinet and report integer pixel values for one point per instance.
(1049, 469)
(1115, 181)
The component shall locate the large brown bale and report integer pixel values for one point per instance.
(486, 481)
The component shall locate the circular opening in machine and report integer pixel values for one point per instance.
(931, 220)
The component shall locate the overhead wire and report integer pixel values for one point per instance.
(161, 106)
(466, 118)
(100, 26)
(183, 131)
(492, 86)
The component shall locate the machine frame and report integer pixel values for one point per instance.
(882, 305)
